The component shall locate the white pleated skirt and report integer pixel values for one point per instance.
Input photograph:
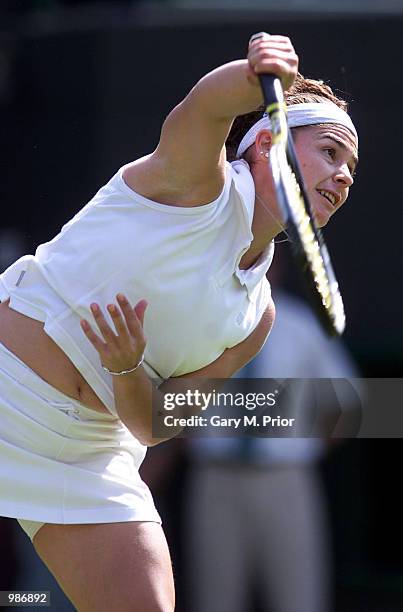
(61, 462)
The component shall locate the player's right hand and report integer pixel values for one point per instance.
(273, 55)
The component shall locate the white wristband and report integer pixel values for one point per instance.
(124, 371)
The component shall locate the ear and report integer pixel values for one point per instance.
(263, 143)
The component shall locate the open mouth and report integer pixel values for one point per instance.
(330, 197)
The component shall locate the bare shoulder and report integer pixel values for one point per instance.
(154, 178)
(188, 166)
(147, 177)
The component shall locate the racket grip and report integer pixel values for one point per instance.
(271, 88)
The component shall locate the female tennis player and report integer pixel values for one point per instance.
(177, 229)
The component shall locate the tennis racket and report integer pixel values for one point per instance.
(307, 243)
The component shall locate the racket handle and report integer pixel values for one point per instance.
(271, 88)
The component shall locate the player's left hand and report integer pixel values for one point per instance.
(122, 348)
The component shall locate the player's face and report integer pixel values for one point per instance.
(328, 157)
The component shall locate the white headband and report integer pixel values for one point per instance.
(299, 115)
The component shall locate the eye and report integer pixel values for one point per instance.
(331, 151)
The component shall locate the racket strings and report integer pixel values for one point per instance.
(311, 245)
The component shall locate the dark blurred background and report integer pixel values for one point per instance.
(84, 88)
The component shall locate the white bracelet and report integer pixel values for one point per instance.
(124, 371)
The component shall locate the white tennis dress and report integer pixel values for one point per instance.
(61, 462)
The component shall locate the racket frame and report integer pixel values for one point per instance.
(307, 242)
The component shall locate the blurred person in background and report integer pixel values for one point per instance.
(255, 517)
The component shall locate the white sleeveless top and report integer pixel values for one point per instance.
(183, 261)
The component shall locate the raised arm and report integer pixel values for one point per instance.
(134, 392)
(188, 165)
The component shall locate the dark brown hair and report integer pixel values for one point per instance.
(302, 91)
